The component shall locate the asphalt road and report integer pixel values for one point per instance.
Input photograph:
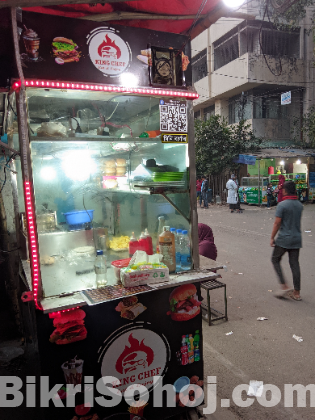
(260, 350)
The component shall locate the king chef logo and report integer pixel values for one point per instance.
(134, 357)
(108, 51)
(137, 355)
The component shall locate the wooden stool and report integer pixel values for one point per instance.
(206, 309)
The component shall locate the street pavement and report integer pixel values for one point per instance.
(259, 350)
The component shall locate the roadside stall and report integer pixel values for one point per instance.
(250, 192)
(107, 161)
(300, 181)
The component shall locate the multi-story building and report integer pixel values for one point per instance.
(241, 68)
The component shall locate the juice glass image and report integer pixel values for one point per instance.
(31, 43)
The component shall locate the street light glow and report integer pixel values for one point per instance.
(233, 3)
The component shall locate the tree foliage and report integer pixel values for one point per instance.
(218, 143)
(292, 16)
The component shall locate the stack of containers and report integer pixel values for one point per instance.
(113, 170)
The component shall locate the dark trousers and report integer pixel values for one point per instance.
(205, 198)
(200, 197)
(269, 199)
(278, 253)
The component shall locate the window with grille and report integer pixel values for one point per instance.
(240, 108)
(270, 108)
(199, 66)
(280, 44)
(197, 115)
(245, 38)
(226, 52)
(207, 112)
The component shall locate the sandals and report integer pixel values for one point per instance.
(292, 296)
(283, 294)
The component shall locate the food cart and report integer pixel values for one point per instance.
(300, 181)
(249, 190)
(107, 149)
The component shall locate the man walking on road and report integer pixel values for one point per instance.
(289, 239)
(198, 189)
(204, 191)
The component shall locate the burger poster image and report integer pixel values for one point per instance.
(69, 327)
(65, 50)
(184, 303)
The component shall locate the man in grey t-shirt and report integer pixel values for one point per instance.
(289, 239)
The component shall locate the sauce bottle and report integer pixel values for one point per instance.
(167, 248)
(133, 245)
(143, 243)
(149, 242)
(160, 230)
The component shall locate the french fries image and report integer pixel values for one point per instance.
(137, 408)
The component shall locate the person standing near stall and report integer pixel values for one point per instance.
(270, 195)
(289, 239)
(280, 188)
(198, 189)
(204, 191)
(231, 186)
(238, 204)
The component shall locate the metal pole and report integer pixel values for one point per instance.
(192, 186)
(259, 182)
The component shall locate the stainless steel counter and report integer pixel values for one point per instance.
(58, 303)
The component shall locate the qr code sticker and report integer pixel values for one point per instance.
(173, 118)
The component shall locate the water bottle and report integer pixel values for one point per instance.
(100, 269)
(185, 258)
(177, 248)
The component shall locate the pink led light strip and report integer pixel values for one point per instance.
(33, 251)
(103, 88)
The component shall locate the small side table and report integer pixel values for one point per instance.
(206, 309)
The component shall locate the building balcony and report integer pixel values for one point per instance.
(250, 70)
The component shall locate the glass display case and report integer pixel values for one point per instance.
(249, 191)
(253, 181)
(300, 180)
(100, 172)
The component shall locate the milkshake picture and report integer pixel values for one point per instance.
(31, 43)
(72, 370)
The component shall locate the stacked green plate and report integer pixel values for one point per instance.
(167, 176)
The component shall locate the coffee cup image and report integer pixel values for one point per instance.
(31, 42)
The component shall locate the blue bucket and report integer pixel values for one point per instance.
(79, 217)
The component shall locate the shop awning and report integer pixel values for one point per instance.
(284, 153)
(246, 159)
(176, 16)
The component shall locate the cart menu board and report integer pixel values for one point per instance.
(75, 50)
(127, 342)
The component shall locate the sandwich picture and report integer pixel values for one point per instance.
(130, 308)
(65, 50)
(69, 327)
(184, 303)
